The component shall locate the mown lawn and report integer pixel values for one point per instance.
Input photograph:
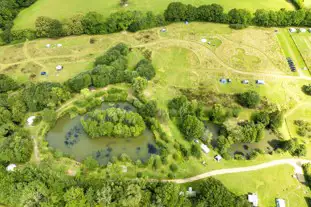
(269, 184)
(61, 9)
(290, 49)
(303, 42)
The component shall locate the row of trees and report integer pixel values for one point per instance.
(177, 11)
(113, 122)
(90, 23)
(43, 186)
(111, 68)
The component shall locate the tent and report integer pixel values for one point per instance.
(203, 40)
(10, 167)
(204, 148)
(292, 30)
(43, 73)
(302, 30)
(30, 120)
(253, 199)
(48, 45)
(59, 45)
(59, 67)
(280, 202)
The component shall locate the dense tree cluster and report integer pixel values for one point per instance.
(294, 147)
(44, 186)
(113, 122)
(271, 120)
(307, 173)
(185, 113)
(45, 94)
(111, 68)
(307, 89)
(7, 83)
(15, 142)
(249, 99)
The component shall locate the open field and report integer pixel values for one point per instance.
(269, 184)
(61, 9)
(303, 42)
(290, 50)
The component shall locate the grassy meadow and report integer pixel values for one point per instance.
(61, 9)
(303, 42)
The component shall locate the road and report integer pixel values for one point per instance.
(296, 163)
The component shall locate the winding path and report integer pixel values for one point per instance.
(296, 163)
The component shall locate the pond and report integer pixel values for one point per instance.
(68, 137)
(267, 144)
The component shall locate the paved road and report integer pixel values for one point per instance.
(296, 163)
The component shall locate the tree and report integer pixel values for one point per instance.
(261, 117)
(150, 109)
(218, 114)
(294, 147)
(93, 23)
(192, 128)
(249, 99)
(145, 69)
(175, 12)
(47, 27)
(307, 89)
(7, 83)
(139, 84)
(73, 26)
(49, 116)
(90, 163)
(75, 197)
(276, 119)
(196, 150)
(240, 16)
(83, 80)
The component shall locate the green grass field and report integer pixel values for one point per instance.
(303, 42)
(61, 9)
(269, 184)
(291, 50)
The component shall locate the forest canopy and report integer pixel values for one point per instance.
(113, 122)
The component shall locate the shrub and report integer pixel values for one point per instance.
(249, 99)
(174, 167)
(139, 174)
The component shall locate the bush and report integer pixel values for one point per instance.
(90, 163)
(139, 174)
(174, 167)
(196, 150)
(249, 99)
(238, 26)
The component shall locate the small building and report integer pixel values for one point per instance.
(245, 81)
(218, 158)
(59, 67)
(223, 80)
(260, 82)
(292, 30)
(280, 202)
(48, 45)
(205, 149)
(30, 120)
(163, 30)
(190, 192)
(59, 45)
(253, 199)
(302, 30)
(203, 40)
(10, 167)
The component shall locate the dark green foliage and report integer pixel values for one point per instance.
(49, 116)
(112, 54)
(145, 21)
(47, 27)
(44, 94)
(149, 109)
(113, 122)
(249, 99)
(239, 16)
(174, 167)
(90, 163)
(261, 117)
(276, 119)
(294, 147)
(176, 12)
(307, 173)
(307, 89)
(145, 69)
(79, 82)
(214, 193)
(196, 150)
(218, 114)
(7, 83)
(116, 94)
(192, 127)
(93, 23)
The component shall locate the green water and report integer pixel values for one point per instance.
(103, 148)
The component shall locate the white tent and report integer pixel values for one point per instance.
(292, 30)
(280, 202)
(302, 30)
(30, 120)
(48, 45)
(59, 45)
(204, 148)
(10, 167)
(203, 40)
(253, 199)
(218, 158)
(59, 67)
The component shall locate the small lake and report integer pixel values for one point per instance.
(68, 137)
(267, 144)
